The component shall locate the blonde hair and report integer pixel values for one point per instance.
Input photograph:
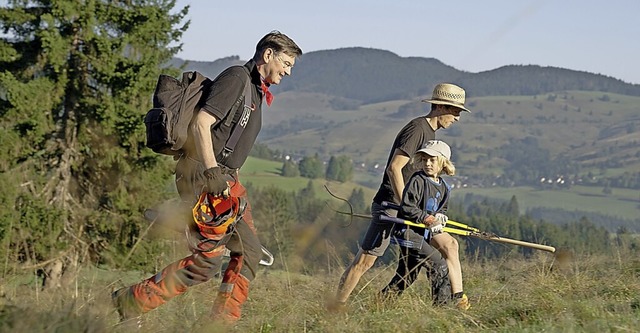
(446, 165)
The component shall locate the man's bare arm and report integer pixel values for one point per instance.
(202, 137)
(394, 171)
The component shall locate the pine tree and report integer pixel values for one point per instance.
(333, 169)
(339, 168)
(76, 80)
(311, 167)
(357, 200)
(513, 209)
(346, 168)
(290, 169)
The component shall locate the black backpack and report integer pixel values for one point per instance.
(174, 104)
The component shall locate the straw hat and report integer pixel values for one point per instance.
(436, 148)
(448, 94)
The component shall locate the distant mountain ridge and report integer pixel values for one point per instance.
(372, 75)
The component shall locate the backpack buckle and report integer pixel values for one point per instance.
(226, 151)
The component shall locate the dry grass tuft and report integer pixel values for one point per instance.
(585, 294)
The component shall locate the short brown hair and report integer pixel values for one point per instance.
(278, 42)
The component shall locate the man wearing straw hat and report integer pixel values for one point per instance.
(447, 102)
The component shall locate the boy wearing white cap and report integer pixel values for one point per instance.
(425, 200)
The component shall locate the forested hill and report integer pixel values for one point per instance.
(371, 75)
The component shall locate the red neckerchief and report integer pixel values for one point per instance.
(267, 94)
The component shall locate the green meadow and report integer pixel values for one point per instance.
(262, 173)
(623, 203)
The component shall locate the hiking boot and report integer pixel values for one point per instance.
(462, 303)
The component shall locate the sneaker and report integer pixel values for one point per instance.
(462, 303)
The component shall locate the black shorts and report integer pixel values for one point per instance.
(377, 238)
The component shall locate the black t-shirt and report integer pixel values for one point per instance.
(222, 97)
(409, 140)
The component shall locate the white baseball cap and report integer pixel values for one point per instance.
(436, 148)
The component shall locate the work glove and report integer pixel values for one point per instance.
(440, 222)
(442, 219)
(436, 229)
(215, 182)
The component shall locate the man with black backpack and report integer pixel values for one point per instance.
(219, 139)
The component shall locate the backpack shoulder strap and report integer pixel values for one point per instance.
(445, 184)
(234, 108)
(425, 193)
(445, 196)
(239, 127)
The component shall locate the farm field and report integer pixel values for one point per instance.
(624, 203)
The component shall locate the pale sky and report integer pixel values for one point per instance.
(601, 37)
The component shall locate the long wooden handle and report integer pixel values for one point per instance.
(474, 234)
(521, 243)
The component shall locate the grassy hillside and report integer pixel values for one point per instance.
(620, 203)
(511, 295)
(263, 173)
(588, 127)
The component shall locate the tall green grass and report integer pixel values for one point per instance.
(586, 294)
